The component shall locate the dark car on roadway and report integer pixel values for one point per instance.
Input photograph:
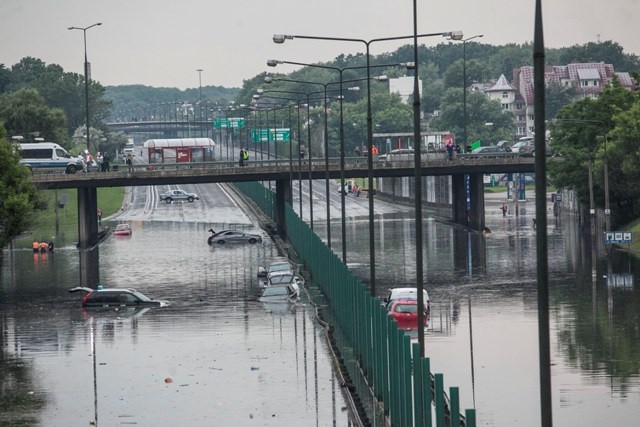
(116, 297)
(491, 150)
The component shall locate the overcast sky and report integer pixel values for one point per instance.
(162, 43)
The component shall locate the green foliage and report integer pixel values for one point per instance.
(480, 110)
(25, 113)
(582, 132)
(60, 89)
(18, 196)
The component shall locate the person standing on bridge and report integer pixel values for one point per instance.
(241, 163)
(130, 162)
(450, 149)
(245, 157)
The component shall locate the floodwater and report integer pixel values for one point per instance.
(233, 361)
(215, 356)
(483, 331)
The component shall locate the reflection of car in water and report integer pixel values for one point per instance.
(233, 236)
(116, 297)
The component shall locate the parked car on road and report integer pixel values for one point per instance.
(123, 230)
(284, 278)
(116, 297)
(172, 195)
(233, 236)
(491, 150)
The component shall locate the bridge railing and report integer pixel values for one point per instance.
(399, 378)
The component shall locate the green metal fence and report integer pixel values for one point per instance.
(399, 378)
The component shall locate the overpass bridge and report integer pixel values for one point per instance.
(283, 172)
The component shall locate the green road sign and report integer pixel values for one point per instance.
(228, 122)
(271, 135)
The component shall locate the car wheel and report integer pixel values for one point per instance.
(210, 240)
(220, 242)
(190, 199)
(252, 240)
(533, 153)
(71, 169)
(168, 200)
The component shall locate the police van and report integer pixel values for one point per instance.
(48, 157)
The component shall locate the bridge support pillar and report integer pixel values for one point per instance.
(459, 199)
(283, 195)
(87, 217)
(476, 195)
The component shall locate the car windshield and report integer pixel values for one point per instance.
(406, 308)
(281, 278)
(275, 291)
(279, 267)
(140, 296)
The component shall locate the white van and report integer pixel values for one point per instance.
(48, 157)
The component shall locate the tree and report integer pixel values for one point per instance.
(25, 113)
(18, 196)
(556, 97)
(480, 111)
(580, 133)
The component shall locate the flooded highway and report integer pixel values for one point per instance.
(218, 356)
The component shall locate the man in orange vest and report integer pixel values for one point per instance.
(36, 246)
(43, 246)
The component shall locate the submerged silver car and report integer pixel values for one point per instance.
(233, 236)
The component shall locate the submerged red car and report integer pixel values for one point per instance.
(405, 313)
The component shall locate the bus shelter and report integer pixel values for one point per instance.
(181, 150)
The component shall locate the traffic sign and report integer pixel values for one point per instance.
(616, 237)
(228, 122)
(271, 135)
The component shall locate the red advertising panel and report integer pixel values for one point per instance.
(182, 154)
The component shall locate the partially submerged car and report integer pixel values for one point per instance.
(123, 230)
(172, 195)
(407, 294)
(284, 278)
(275, 267)
(405, 313)
(233, 236)
(279, 293)
(116, 297)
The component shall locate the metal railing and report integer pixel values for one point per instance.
(398, 377)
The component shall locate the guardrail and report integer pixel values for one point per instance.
(397, 375)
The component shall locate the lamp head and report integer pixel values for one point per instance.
(454, 35)
(268, 79)
(408, 65)
(280, 38)
(256, 97)
(273, 62)
(260, 91)
(382, 78)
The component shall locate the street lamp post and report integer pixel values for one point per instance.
(87, 75)
(464, 84)
(280, 38)
(275, 62)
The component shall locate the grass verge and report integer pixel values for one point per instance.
(61, 226)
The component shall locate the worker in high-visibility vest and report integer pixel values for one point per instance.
(36, 246)
(43, 246)
(245, 156)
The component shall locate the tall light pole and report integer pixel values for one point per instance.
(280, 38)
(464, 85)
(200, 70)
(275, 62)
(87, 75)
